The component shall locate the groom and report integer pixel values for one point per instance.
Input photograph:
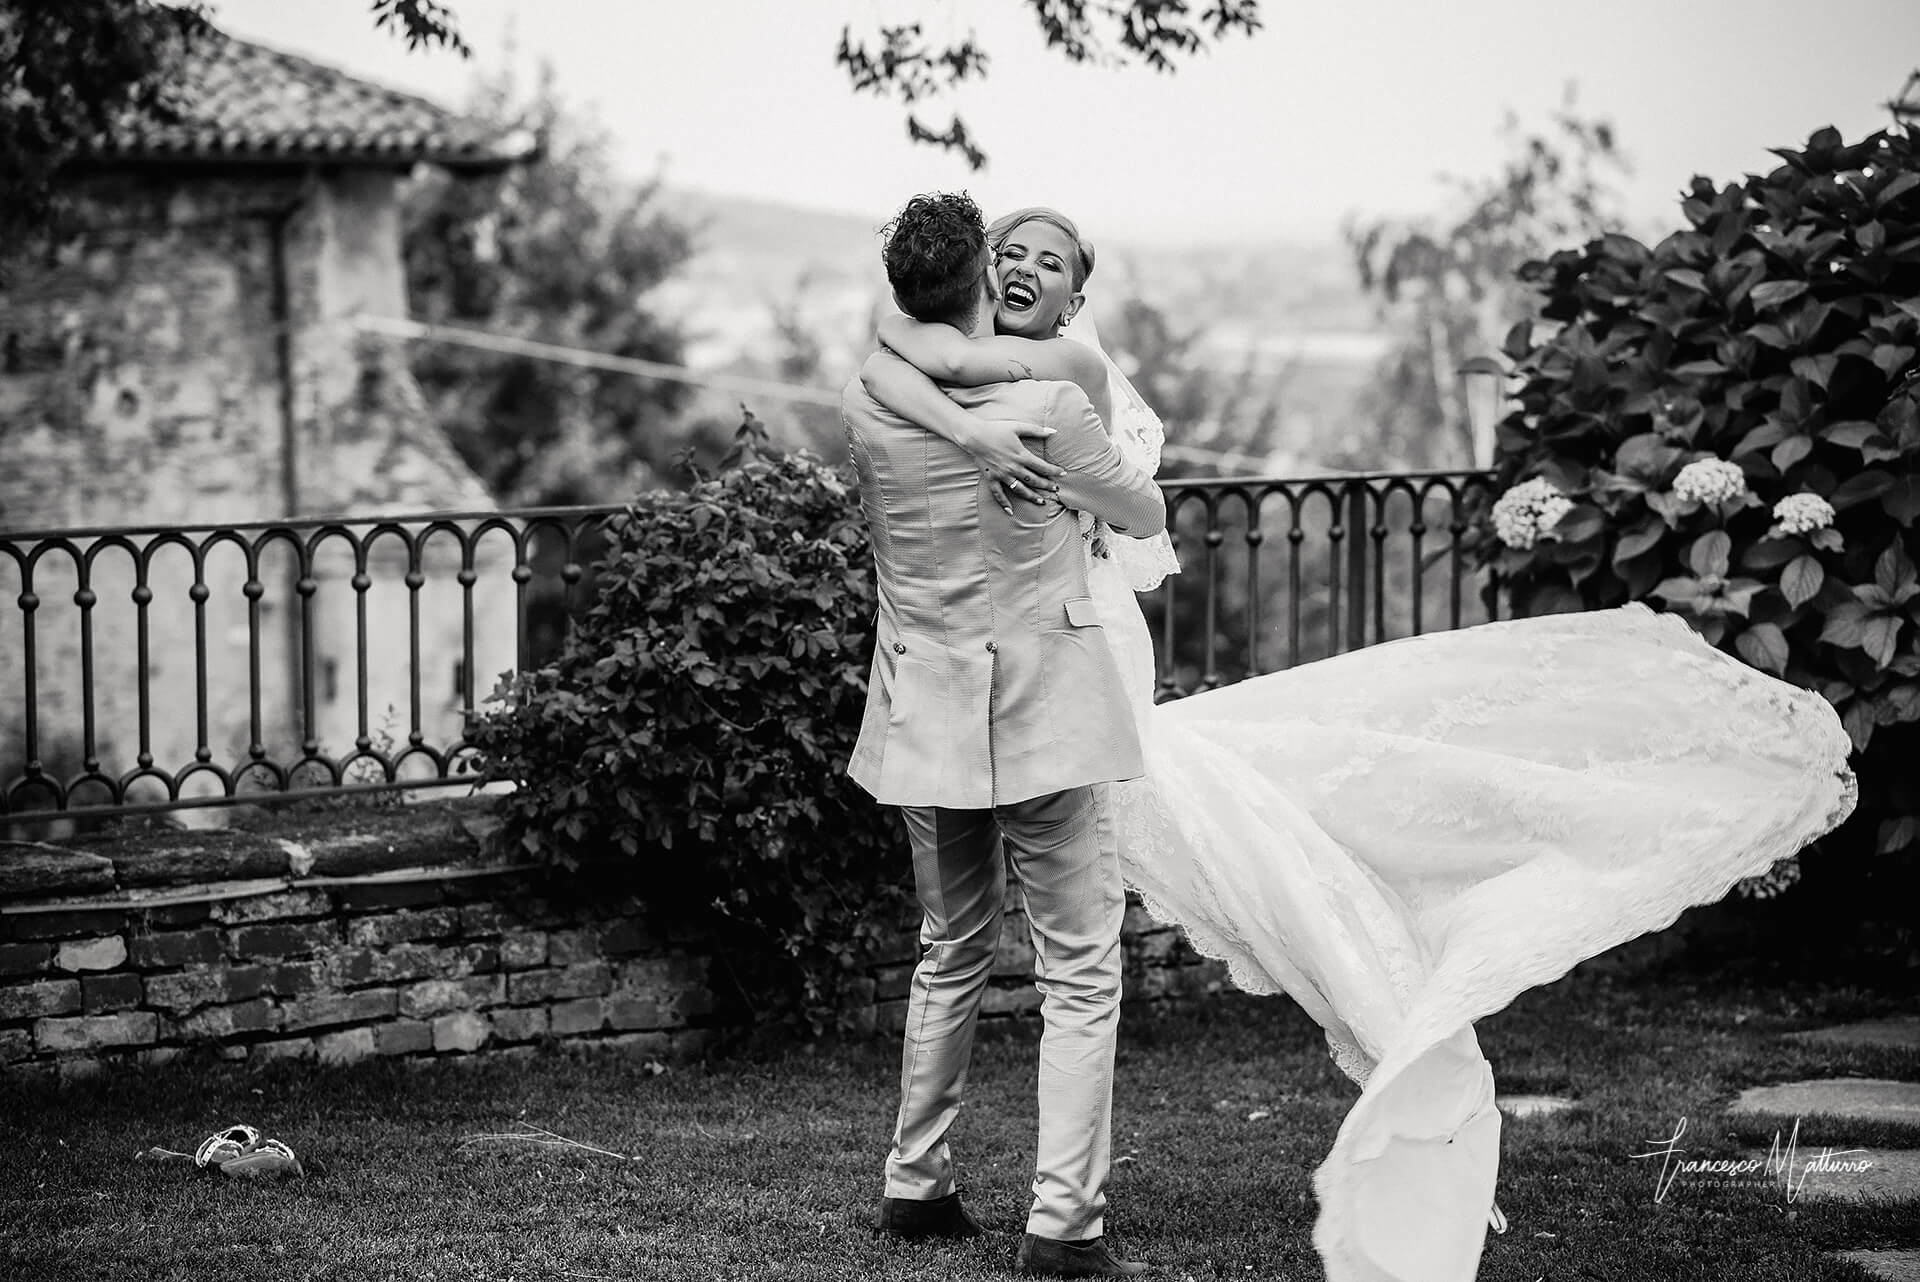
(995, 712)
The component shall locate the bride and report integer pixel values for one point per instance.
(1405, 838)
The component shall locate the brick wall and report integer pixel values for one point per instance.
(382, 934)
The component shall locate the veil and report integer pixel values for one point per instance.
(1137, 430)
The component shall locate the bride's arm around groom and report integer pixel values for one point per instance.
(1094, 478)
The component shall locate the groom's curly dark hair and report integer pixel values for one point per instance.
(933, 253)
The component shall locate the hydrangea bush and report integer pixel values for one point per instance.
(1727, 424)
(691, 738)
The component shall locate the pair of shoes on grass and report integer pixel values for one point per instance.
(238, 1151)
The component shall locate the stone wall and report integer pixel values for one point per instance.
(141, 371)
(143, 383)
(353, 933)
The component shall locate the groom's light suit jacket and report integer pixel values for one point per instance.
(992, 681)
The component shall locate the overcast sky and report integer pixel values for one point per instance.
(1334, 108)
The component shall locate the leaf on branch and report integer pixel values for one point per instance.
(1852, 434)
(900, 62)
(1816, 369)
(1775, 292)
(1581, 522)
(1711, 553)
(1898, 188)
(1646, 457)
(1901, 500)
(421, 22)
(1680, 590)
(905, 65)
(1860, 487)
(1764, 646)
(1739, 594)
(1893, 573)
(1902, 702)
(1769, 433)
(1699, 369)
(1880, 637)
(1642, 538)
(1845, 625)
(953, 138)
(1792, 450)
(1857, 718)
(1801, 581)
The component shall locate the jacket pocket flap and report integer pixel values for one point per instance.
(1081, 614)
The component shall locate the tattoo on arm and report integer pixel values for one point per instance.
(1026, 370)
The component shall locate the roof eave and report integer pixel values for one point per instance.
(459, 162)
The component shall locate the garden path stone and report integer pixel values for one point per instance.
(1533, 1105)
(1889, 1266)
(1896, 1030)
(1892, 1176)
(1865, 1099)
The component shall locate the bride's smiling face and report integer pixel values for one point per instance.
(1035, 270)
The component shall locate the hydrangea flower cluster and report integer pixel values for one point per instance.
(1710, 480)
(1803, 513)
(1528, 510)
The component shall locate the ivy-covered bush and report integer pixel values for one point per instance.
(1728, 425)
(691, 738)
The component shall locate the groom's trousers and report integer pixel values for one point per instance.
(1074, 903)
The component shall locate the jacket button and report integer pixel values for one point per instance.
(898, 648)
(991, 648)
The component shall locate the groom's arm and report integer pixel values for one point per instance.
(1098, 479)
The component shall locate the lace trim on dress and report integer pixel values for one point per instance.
(1139, 433)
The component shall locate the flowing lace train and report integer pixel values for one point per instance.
(1405, 838)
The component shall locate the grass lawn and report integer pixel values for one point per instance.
(769, 1166)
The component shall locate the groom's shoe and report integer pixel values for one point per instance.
(942, 1217)
(1051, 1258)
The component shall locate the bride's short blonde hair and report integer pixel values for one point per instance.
(1002, 227)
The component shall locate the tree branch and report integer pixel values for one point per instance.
(900, 61)
(421, 22)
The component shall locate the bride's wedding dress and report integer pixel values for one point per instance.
(1405, 838)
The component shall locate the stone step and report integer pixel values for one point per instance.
(1895, 1030)
(1864, 1099)
(1888, 1266)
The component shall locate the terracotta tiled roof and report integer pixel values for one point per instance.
(244, 102)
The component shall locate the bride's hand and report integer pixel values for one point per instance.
(1016, 471)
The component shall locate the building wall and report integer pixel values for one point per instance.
(142, 383)
(139, 379)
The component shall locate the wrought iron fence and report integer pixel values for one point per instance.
(169, 668)
(1279, 572)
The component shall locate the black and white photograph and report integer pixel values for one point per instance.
(944, 640)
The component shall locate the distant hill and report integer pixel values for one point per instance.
(1253, 294)
(761, 264)
(777, 240)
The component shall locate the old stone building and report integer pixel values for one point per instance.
(190, 357)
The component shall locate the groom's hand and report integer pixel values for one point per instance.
(1015, 471)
